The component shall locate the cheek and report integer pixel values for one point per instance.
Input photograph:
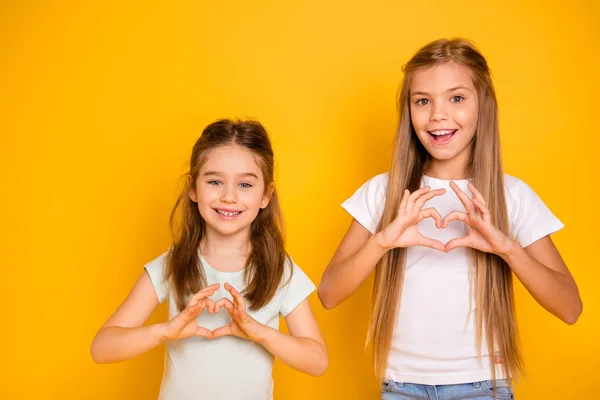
(467, 117)
(251, 199)
(207, 196)
(419, 118)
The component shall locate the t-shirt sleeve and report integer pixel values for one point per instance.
(530, 218)
(367, 203)
(156, 271)
(296, 289)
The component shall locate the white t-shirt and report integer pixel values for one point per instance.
(434, 340)
(226, 368)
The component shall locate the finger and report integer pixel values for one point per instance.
(222, 331)
(476, 193)
(404, 200)
(416, 194)
(203, 293)
(224, 302)
(434, 244)
(455, 216)
(191, 312)
(458, 242)
(482, 208)
(210, 305)
(428, 196)
(432, 213)
(464, 199)
(237, 297)
(201, 331)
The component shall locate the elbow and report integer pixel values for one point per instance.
(572, 317)
(322, 364)
(96, 354)
(320, 370)
(326, 302)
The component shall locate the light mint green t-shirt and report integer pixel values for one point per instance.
(226, 368)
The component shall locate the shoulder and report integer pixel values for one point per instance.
(512, 183)
(294, 288)
(290, 270)
(367, 203)
(293, 275)
(511, 187)
(378, 182)
(156, 271)
(372, 190)
(517, 191)
(159, 263)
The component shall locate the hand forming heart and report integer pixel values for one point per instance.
(242, 325)
(403, 231)
(482, 235)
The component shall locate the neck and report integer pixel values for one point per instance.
(216, 244)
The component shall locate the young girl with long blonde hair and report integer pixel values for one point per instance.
(445, 231)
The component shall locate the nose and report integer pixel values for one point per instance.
(228, 195)
(438, 112)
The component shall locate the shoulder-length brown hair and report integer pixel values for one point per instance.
(264, 267)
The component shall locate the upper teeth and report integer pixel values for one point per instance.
(228, 213)
(442, 132)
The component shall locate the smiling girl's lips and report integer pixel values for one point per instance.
(442, 136)
(227, 214)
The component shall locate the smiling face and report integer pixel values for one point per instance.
(230, 190)
(444, 109)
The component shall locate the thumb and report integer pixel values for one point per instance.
(191, 312)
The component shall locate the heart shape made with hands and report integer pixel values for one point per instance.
(242, 325)
(482, 234)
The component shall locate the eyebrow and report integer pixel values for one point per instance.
(243, 174)
(420, 93)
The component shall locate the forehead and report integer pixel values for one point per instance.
(231, 160)
(439, 78)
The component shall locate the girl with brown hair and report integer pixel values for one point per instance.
(227, 277)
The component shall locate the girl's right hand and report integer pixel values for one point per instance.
(184, 324)
(403, 231)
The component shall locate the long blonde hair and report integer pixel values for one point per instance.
(490, 274)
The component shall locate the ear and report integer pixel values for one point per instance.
(191, 192)
(267, 196)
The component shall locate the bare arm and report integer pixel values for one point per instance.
(539, 266)
(359, 251)
(304, 348)
(353, 261)
(544, 274)
(124, 335)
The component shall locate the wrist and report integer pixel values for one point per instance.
(377, 241)
(261, 334)
(160, 331)
(512, 248)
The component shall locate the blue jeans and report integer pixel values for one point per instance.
(483, 390)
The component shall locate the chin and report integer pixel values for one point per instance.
(229, 230)
(442, 155)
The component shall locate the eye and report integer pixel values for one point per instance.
(457, 99)
(245, 185)
(214, 183)
(422, 102)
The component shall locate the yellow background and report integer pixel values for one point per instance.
(101, 102)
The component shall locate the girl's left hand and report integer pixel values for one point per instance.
(242, 325)
(482, 235)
